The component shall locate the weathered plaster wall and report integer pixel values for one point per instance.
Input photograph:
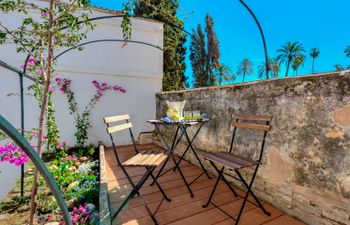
(306, 165)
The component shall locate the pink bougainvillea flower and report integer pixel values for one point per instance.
(13, 154)
(31, 61)
(22, 66)
(45, 14)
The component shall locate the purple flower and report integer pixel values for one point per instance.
(58, 80)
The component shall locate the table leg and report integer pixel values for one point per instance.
(188, 146)
(171, 155)
(194, 152)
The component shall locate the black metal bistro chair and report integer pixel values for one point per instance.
(235, 163)
(150, 160)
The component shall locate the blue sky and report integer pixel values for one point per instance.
(323, 24)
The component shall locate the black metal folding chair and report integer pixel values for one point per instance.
(147, 159)
(234, 162)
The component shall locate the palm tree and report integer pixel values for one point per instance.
(224, 74)
(314, 53)
(245, 68)
(274, 68)
(347, 51)
(288, 52)
(297, 62)
(339, 67)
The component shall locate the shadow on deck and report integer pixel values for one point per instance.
(183, 209)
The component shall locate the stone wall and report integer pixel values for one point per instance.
(306, 166)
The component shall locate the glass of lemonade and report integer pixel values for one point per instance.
(188, 115)
(196, 115)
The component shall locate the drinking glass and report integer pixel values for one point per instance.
(187, 115)
(196, 115)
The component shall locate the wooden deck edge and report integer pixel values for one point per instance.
(104, 212)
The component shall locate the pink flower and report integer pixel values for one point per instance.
(60, 145)
(22, 66)
(45, 14)
(13, 154)
(51, 89)
(31, 60)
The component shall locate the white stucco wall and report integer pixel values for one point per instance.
(137, 68)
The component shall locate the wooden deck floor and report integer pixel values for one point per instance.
(183, 209)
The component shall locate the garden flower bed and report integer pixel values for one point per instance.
(77, 175)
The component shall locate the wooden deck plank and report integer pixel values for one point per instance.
(182, 210)
(285, 220)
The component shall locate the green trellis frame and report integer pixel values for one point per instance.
(8, 129)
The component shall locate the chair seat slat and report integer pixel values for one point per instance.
(146, 159)
(230, 161)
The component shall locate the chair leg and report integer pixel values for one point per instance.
(224, 179)
(216, 184)
(249, 190)
(132, 193)
(160, 188)
(136, 191)
(160, 171)
(252, 193)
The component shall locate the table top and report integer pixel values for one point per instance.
(177, 123)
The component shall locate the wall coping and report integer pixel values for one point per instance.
(308, 76)
(104, 212)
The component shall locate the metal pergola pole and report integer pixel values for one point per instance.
(22, 126)
(20, 140)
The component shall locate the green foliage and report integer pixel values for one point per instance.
(212, 50)
(297, 62)
(198, 57)
(223, 73)
(274, 68)
(314, 53)
(288, 53)
(174, 39)
(2, 136)
(205, 55)
(126, 22)
(347, 51)
(245, 68)
(86, 151)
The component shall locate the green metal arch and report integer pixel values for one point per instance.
(39, 164)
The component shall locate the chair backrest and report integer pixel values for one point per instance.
(245, 121)
(123, 124)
